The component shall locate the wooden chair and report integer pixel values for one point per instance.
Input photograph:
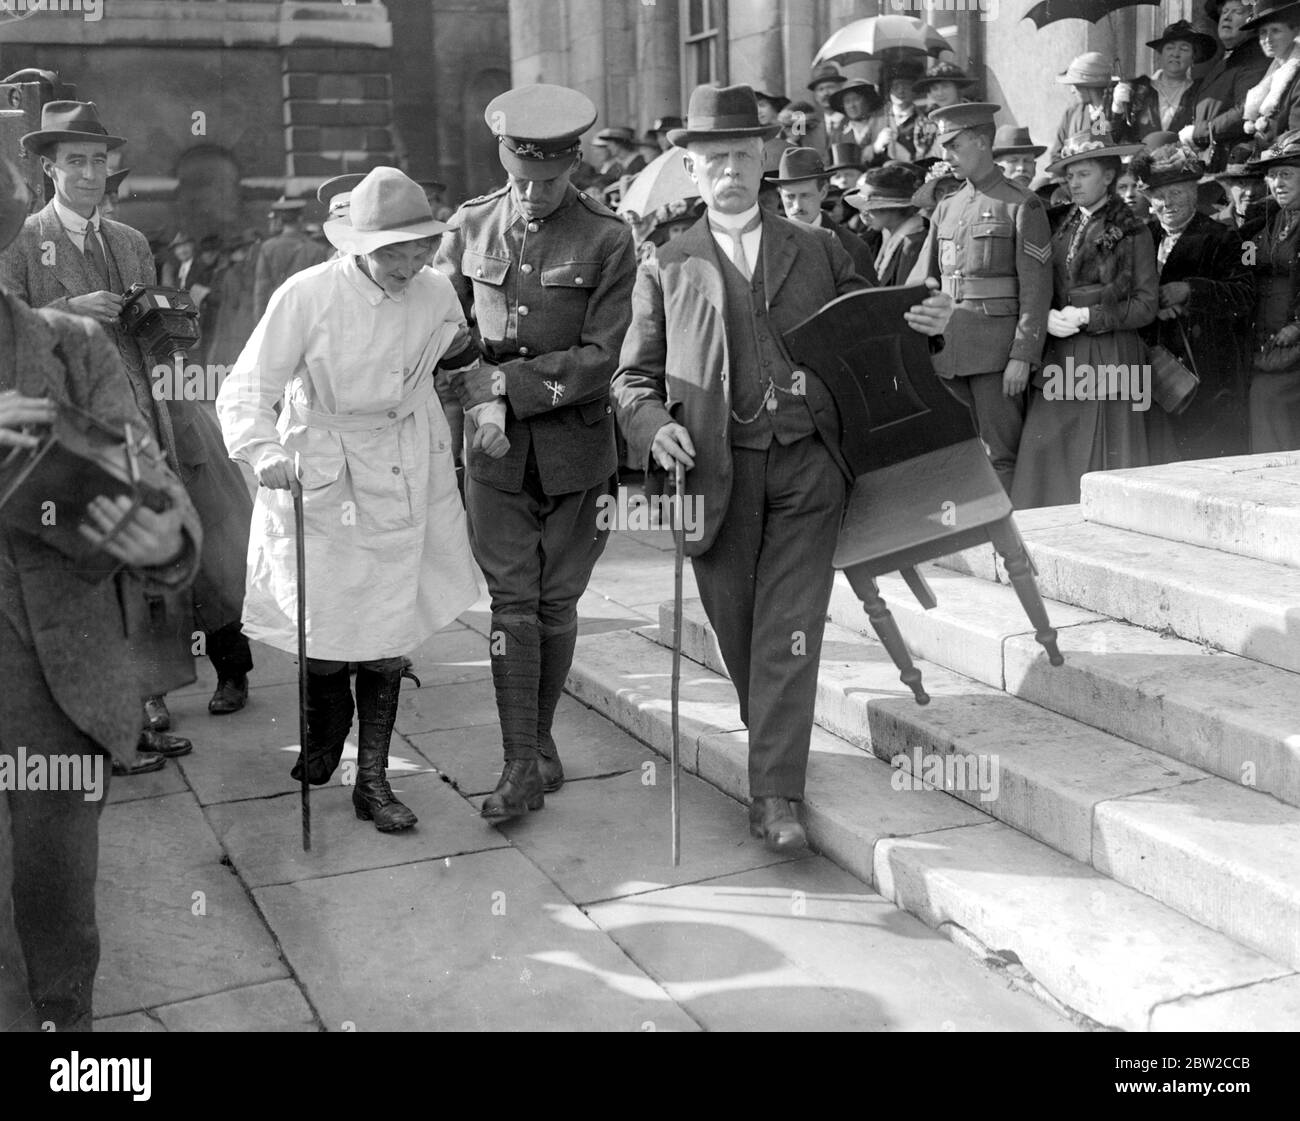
(924, 486)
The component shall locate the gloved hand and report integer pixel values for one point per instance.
(1060, 325)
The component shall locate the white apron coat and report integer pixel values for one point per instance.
(388, 557)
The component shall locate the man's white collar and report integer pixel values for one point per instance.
(74, 222)
(733, 221)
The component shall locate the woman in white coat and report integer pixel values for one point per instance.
(351, 346)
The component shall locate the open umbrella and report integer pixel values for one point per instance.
(1051, 11)
(662, 181)
(865, 40)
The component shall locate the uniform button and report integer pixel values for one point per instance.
(533, 227)
(525, 268)
(523, 310)
(392, 414)
(397, 470)
(523, 350)
(609, 408)
(577, 280)
(478, 272)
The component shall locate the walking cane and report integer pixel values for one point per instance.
(679, 554)
(300, 548)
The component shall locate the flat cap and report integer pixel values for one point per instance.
(537, 128)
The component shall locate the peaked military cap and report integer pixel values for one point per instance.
(332, 189)
(957, 118)
(538, 128)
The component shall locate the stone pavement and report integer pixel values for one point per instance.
(213, 918)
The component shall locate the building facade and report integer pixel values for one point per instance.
(639, 59)
(228, 103)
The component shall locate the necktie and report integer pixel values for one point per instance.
(95, 255)
(737, 245)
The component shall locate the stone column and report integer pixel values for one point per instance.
(658, 63)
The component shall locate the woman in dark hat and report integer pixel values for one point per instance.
(1274, 245)
(1165, 99)
(1104, 292)
(1207, 295)
(857, 101)
(884, 198)
(1246, 191)
(945, 84)
(1272, 106)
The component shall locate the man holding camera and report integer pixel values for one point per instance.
(70, 691)
(68, 256)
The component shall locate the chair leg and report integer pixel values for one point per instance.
(886, 628)
(1007, 541)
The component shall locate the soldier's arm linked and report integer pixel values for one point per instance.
(1143, 299)
(583, 371)
(1034, 281)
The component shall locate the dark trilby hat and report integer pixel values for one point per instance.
(716, 113)
(799, 165)
(1283, 152)
(942, 72)
(1203, 46)
(114, 182)
(846, 157)
(75, 122)
(957, 118)
(1169, 164)
(1013, 140)
(537, 128)
(621, 133)
(867, 89)
(826, 72)
(1270, 11)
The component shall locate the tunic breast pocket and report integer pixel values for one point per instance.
(568, 287)
(993, 247)
(488, 272)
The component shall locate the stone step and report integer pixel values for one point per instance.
(1236, 604)
(1224, 714)
(1104, 950)
(1246, 505)
(1167, 829)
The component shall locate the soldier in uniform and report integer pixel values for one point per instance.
(989, 242)
(288, 252)
(545, 275)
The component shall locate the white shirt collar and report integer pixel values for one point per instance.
(819, 221)
(371, 292)
(73, 222)
(733, 221)
(1091, 210)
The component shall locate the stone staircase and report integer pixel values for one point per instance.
(1123, 830)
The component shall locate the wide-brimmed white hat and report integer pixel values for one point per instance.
(386, 207)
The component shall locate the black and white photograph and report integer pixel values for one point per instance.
(650, 516)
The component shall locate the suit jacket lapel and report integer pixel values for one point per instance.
(778, 251)
(703, 264)
(69, 267)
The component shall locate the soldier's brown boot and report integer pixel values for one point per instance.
(515, 651)
(556, 658)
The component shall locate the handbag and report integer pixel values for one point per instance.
(1173, 385)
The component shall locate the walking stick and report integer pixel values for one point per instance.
(679, 554)
(300, 548)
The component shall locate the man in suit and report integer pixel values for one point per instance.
(69, 692)
(705, 380)
(803, 181)
(1218, 120)
(544, 273)
(824, 83)
(68, 256)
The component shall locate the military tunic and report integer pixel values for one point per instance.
(550, 301)
(990, 245)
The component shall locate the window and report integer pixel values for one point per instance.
(704, 43)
